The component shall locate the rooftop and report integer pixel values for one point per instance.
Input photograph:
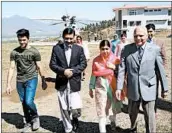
(139, 7)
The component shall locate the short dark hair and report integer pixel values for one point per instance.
(123, 34)
(22, 33)
(79, 37)
(104, 43)
(68, 31)
(149, 26)
(59, 42)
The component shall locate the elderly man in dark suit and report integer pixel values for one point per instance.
(141, 61)
(68, 61)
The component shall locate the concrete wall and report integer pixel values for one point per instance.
(145, 18)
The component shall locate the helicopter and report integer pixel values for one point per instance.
(69, 21)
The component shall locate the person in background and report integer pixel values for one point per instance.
(114, 42)
(151, 39)
(120, 45)
(86, 52)
(141, 61)
(60, 41)
(68, 62)
(89, 35)
(27, 60)
(95, 37)
(118, 49)
(103, 84)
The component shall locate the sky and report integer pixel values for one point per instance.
(55, 10)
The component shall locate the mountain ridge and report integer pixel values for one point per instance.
(37, 28)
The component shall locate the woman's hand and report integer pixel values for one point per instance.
(8, 90)
(91, 93)
(110, 65)
(118, 94)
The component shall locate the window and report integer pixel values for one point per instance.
(138, 23)
(169, 12)
(124, 23)
(169, 22)
(159, 22)
(132, 12)
(151, 10)
(149, 21)
(131, 23)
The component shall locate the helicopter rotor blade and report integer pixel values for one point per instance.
(82, 23)
(57, 23)
(49, 19)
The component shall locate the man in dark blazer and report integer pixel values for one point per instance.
(68, 61)
(141, 61)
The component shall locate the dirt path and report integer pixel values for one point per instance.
(47, 103)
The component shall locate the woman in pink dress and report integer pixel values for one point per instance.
(103, 83)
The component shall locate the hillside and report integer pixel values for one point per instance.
(12, 24)
(110, 31)
(104, 33)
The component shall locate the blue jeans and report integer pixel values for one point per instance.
(26, 91)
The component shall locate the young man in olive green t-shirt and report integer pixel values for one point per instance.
(27, 61)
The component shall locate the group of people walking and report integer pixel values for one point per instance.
(121, 70)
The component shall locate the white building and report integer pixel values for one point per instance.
(128, 16)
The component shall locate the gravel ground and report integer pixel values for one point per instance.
(47, 104)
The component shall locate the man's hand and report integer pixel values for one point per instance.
(110, 65)
(44, 84)
(8, 90)
(164, 94)
(118, 94)
(91, 93)
(68, 73)
(9, 77)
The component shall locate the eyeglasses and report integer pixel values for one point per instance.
(68, 38)
(104, 49)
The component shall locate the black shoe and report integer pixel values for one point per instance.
(133, 130)
(71, 132)
(75, 124)
(113, 126)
